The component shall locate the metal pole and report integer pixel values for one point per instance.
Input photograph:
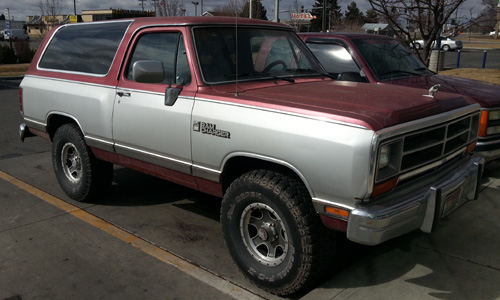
(195, 7)
(458, 59)
(484, 58)
(323, 23)
(497, 26)
(277, 11)
(74, 6)
(250, 9)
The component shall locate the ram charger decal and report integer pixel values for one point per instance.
(209, 128)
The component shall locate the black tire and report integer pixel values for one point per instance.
(418, 46)
(446, 48)
(273, 233)
(81, 176)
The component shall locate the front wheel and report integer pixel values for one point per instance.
(446, 48)
(81, 176)
(273, 233)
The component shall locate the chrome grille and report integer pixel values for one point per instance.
(424, 147)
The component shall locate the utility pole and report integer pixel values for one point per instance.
(142, 4)
(277, 11)
(155, 4)
(497, 26)
(74, 7)
(323, 22)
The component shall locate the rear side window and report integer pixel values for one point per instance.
(88, 48)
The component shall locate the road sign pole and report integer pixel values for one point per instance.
(497, 26)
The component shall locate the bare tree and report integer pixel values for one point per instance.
(297, 6)
(487, 19)
(427, 16)
(233, 8)
(50, 9)
(170, 8)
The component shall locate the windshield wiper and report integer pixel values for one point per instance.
(399, 71)
(258, 76)
(283, 78)
(312, 72)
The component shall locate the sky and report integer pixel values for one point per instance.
(19, 9)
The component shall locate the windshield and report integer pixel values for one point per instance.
(389, 59)
(256, 54)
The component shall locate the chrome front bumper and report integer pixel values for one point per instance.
(489, 149)
(409, 208)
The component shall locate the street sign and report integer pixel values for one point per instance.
(73, 19)
(7, 22)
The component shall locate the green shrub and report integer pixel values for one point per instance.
(7, 55)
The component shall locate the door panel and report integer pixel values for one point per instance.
(144, 127)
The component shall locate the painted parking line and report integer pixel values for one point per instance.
(201, 274)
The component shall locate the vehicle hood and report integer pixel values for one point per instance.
(486, 94)
(372, 106)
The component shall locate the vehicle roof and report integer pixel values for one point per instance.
(190, 21)
(349, 35)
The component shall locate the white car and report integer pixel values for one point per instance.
(447, 44)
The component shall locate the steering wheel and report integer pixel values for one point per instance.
(273, 64)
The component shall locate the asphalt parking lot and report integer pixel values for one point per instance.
(150, 239)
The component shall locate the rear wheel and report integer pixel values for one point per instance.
(81, 176)
(446, 48)
(273, 233)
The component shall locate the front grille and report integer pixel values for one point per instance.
(422, 148)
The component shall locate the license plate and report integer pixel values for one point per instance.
(453, 201)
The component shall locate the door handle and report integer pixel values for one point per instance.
(123, 94)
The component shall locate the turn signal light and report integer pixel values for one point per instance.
(470, 147)
(384, 187)
(483, 123)
(339, 212)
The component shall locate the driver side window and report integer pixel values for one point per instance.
(168, 48)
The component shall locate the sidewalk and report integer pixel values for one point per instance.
(48, 253)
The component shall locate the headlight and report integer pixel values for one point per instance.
(384, 156)
(388, 160)
(493, 130)
(494, 115)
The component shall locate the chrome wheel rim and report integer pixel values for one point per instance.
(71, 163)
(264, 234)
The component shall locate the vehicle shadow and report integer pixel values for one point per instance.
(426, 265)
(133, 188)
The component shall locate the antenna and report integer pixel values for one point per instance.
(236, 47)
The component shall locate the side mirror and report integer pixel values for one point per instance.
(148, 71)
(171, 95)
